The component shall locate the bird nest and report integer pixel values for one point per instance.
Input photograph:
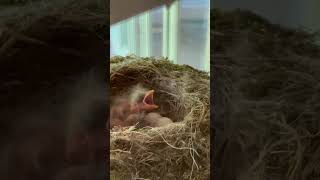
(180, 150)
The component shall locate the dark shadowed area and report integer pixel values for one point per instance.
(53, 100)
(265, 99)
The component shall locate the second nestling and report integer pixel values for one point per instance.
(136, 108)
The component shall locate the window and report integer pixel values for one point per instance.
(179, 32)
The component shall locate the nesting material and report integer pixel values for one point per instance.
(178, 150)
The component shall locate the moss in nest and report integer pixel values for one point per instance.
(178, 150)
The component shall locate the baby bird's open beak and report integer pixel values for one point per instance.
(147, 103)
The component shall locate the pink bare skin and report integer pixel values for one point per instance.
(125, 113)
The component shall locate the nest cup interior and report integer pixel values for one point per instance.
(166, 96)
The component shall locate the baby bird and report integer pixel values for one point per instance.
(128, 110)
(154, 119)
